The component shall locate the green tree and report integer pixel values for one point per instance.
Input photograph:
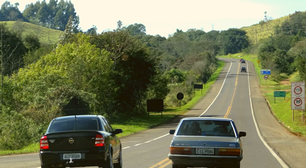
(266, 55)
(12, 50)
(92, 31)
(76, 69)
(233, 41)
(119, 24)
(32, 42)
(34, 55)
(43, 14)
(10, 12)
(133, 71)
(53, 15)
(283, 62)
(136, 29)
(176, 75)
(299, 53)
(194, 34)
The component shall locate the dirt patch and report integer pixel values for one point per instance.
(286, 82)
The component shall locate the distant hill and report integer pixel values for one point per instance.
(45, 35)
(261, 31)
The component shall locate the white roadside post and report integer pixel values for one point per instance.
(298, 97)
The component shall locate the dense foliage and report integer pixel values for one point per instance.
(12, 50)
(113, 72)
(54, 14)
(283, 52)
(10, 12)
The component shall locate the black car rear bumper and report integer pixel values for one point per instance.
(194, 161)
(55, 158)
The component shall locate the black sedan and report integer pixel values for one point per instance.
(243, 69)
(206, 142)
(80, 140)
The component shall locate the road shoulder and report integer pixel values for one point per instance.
(285, 144)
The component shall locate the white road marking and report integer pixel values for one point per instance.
(138, 144)
(219, 91)
(126, 147)
(258, 132)
(147, 141)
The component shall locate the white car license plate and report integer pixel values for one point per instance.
(205, 151)
(68, 156)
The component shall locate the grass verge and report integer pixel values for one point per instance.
(281, 108)
(134, 125)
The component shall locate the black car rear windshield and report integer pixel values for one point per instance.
(206, 128)
(70, 124)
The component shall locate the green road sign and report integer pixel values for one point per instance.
(279, 93)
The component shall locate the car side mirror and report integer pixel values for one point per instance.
(242, 134)
(117, 131)
(171, 132)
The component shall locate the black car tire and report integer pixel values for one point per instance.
(109, 162)
(119, 164)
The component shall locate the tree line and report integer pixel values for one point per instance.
(54, 14)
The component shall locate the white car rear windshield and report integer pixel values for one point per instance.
(206, 128)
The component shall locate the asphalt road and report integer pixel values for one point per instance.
(235, 95)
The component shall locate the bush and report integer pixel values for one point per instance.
(171, 99)
(17, 131)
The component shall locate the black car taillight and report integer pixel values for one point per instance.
(99, 140)
(44, 142)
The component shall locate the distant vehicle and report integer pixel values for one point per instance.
(206, 142)
(243, 69)
(80, 140)
(242, 61)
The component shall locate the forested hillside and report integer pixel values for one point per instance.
(264, 29)
(54, 14)
(283, 51)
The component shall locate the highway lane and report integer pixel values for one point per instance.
(234, 102)
(149, 149)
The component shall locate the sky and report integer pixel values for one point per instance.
(163, 17)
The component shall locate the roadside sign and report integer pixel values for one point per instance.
(279, 93)
(180, 96)
(297, 103)
(155, 105)
(298, 95)
(265, 72)
(297, 89)
(266, 77)
(198, 86)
